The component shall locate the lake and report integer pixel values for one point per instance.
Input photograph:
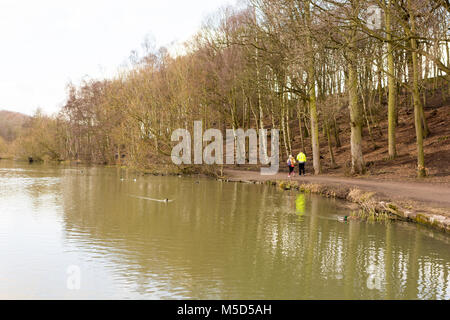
(76, 232)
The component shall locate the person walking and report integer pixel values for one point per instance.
(301, 158)
(291, 165)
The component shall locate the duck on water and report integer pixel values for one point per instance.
(166, 200)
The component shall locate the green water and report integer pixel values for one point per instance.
(216, 240)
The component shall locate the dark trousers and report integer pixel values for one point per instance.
(301, 167)
(291, 169)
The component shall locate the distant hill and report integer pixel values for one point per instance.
(11, 124)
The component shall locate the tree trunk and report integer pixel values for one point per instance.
(392, 89)
(416, 96)
(312, 94)
(358, 166)
(283, 125)
(336, 132)
(300, 128)
(258, 88)
(330, 147)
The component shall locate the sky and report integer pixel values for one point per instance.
(46, 44)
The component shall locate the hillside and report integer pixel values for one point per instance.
(436, 145)
(11, 124)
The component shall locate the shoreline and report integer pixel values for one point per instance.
(372, 203)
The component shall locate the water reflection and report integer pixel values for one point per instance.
(217, 240)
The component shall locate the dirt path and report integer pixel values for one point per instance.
(430, 194)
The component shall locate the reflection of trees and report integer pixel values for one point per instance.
(351, 257)
(390, 280)
(413, 270)
(311, 247)
(37, 184)
(230, 240)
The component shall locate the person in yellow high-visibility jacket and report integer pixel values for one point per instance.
(301, 158)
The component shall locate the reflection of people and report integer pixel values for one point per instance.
(301, 158)
(291, 165)
(300, 204)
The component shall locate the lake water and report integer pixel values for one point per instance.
(71, 232)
